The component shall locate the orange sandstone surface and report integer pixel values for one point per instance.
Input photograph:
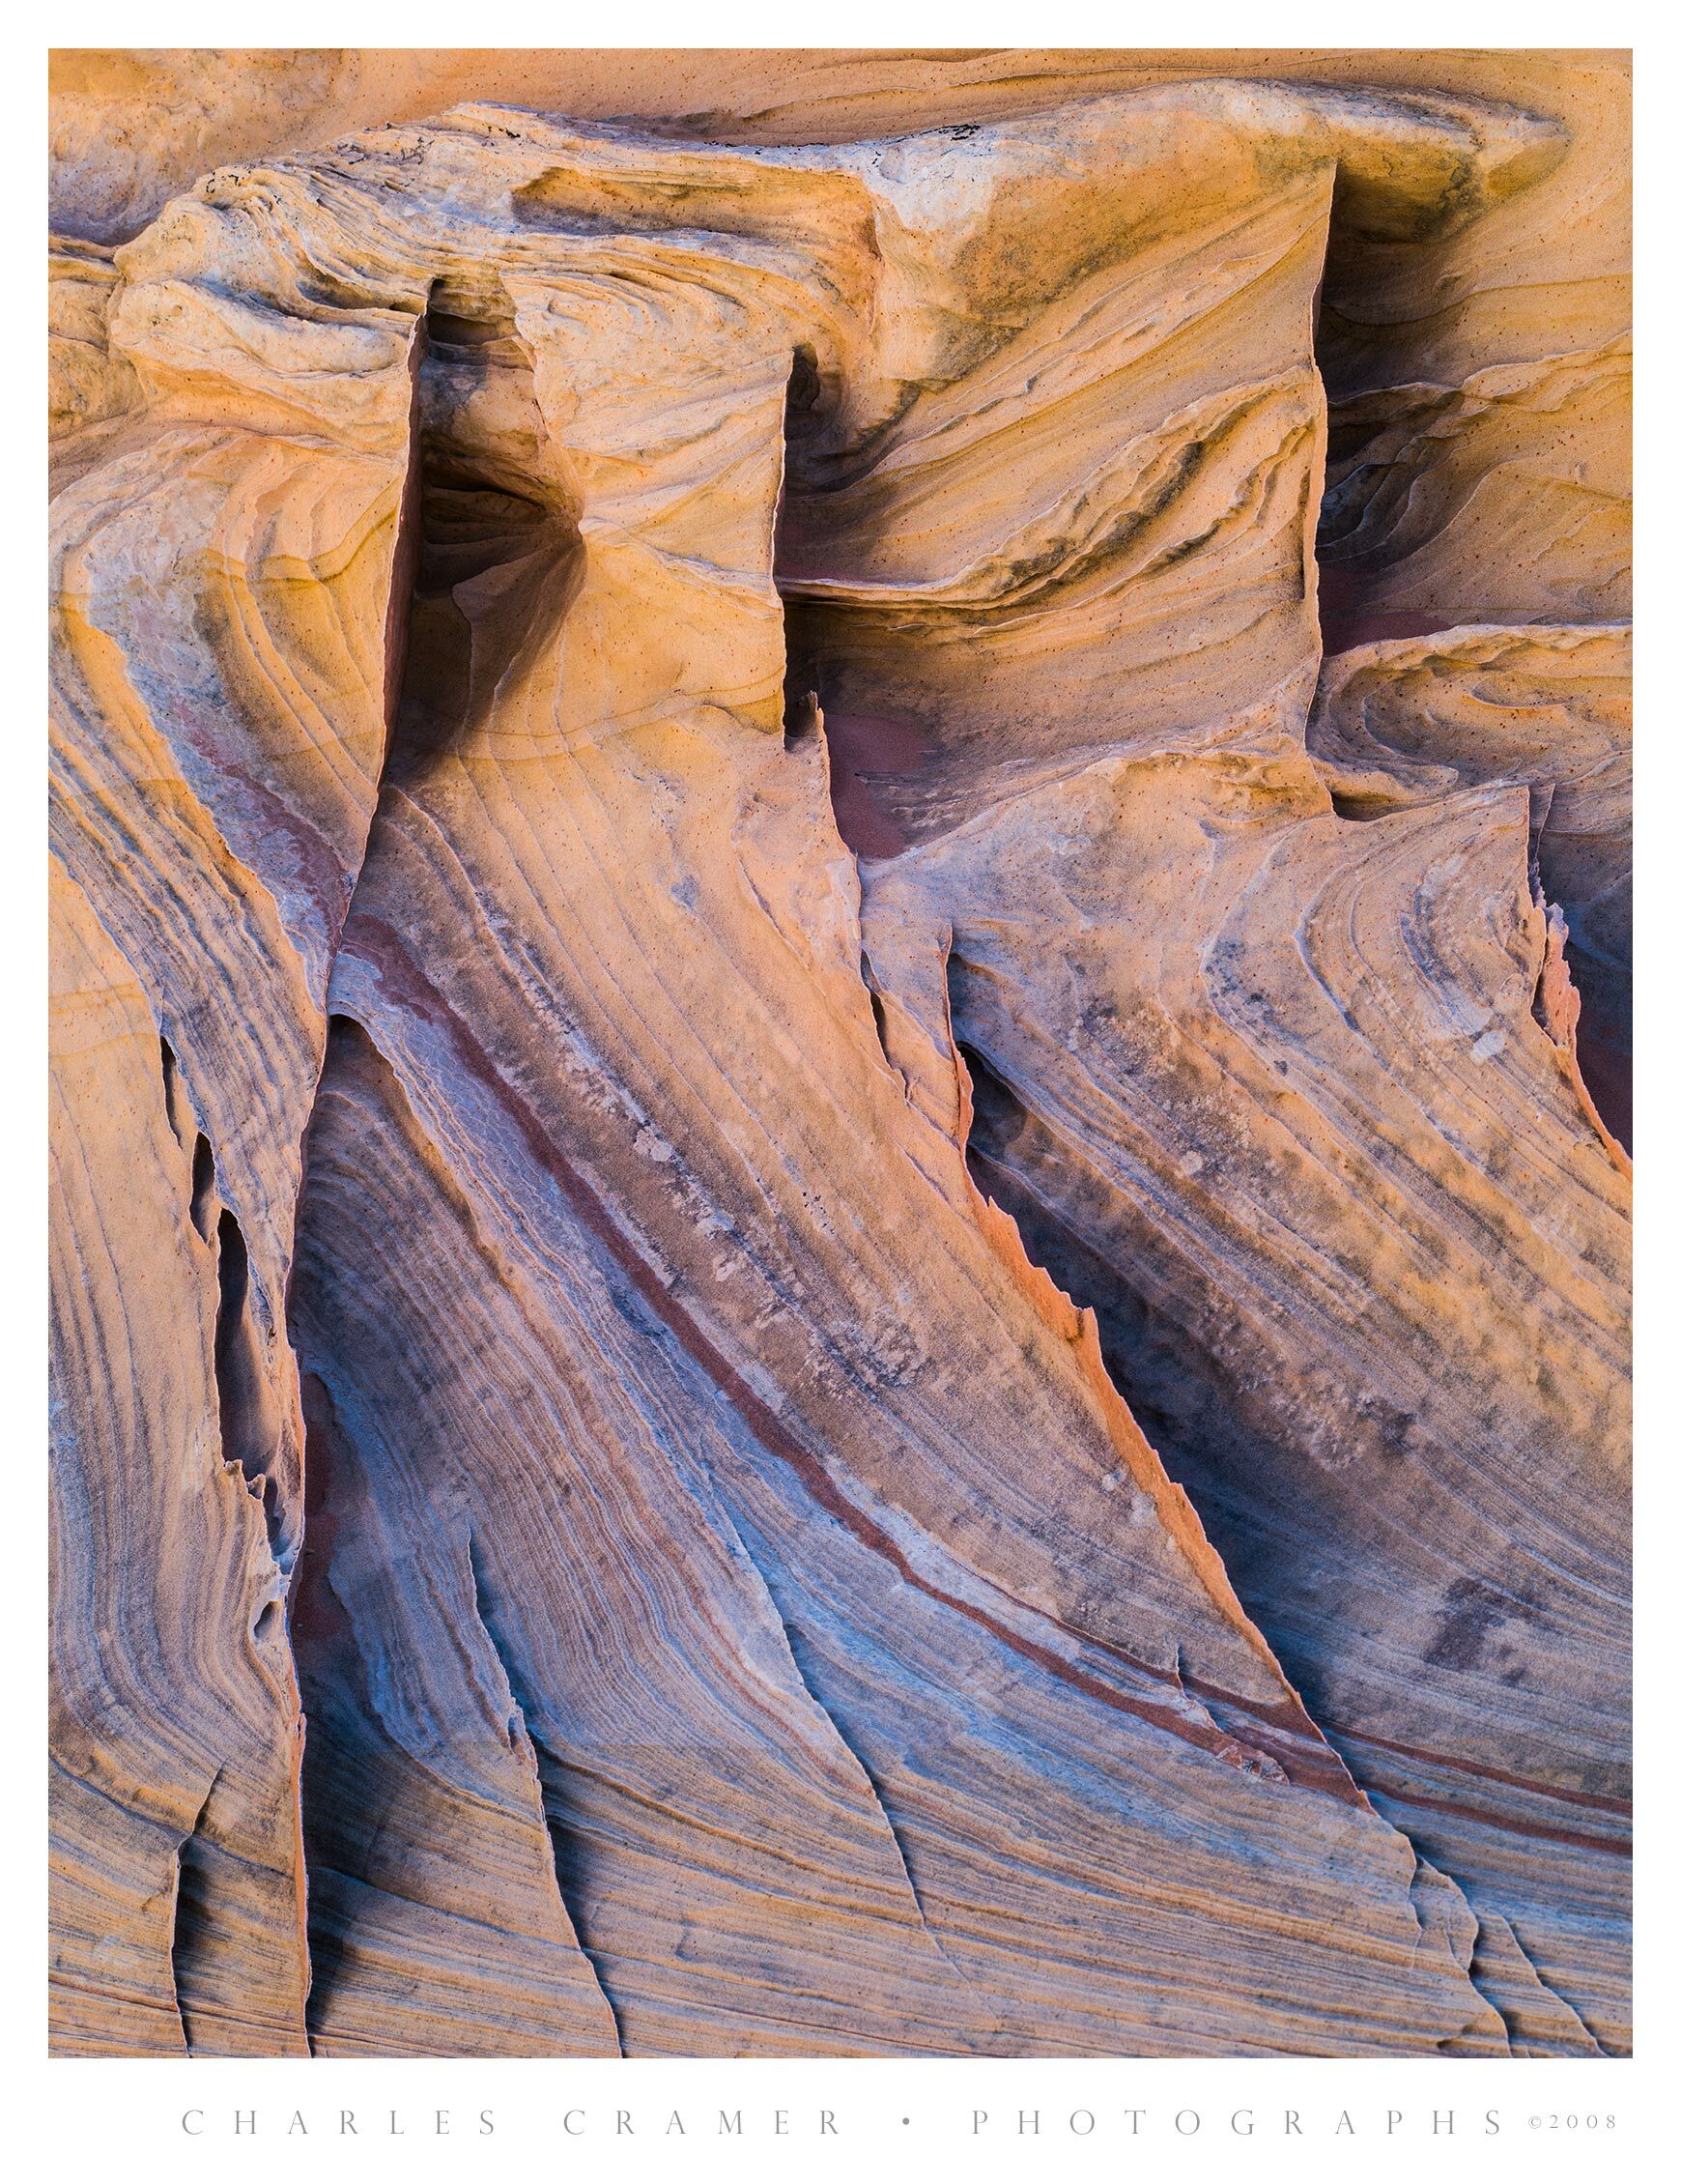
(841, 1019)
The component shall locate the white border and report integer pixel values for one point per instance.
(124, 2119)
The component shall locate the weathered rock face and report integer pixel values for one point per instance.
(833, 1269)
(1407, 721)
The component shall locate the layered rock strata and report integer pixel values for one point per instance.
(824, 1285)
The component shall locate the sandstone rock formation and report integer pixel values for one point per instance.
(836, 1266)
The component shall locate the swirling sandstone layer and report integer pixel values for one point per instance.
(711, 939)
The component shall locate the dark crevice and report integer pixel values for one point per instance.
(1363, 250)
(1557, 1006)
(548, 1776)
(183, 1119)
(193, 1921)
(800, 705)
(1600, 1014)
(854, 749)
(879, 1013)
(995, 1105)
(805, 391)
(495, 548)
(250, 1424)
(859, 750)
(1607, 1071)
(1541, 797)
(204, 1187)
(175, 1105)
(801, 716)
(248, 1412)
